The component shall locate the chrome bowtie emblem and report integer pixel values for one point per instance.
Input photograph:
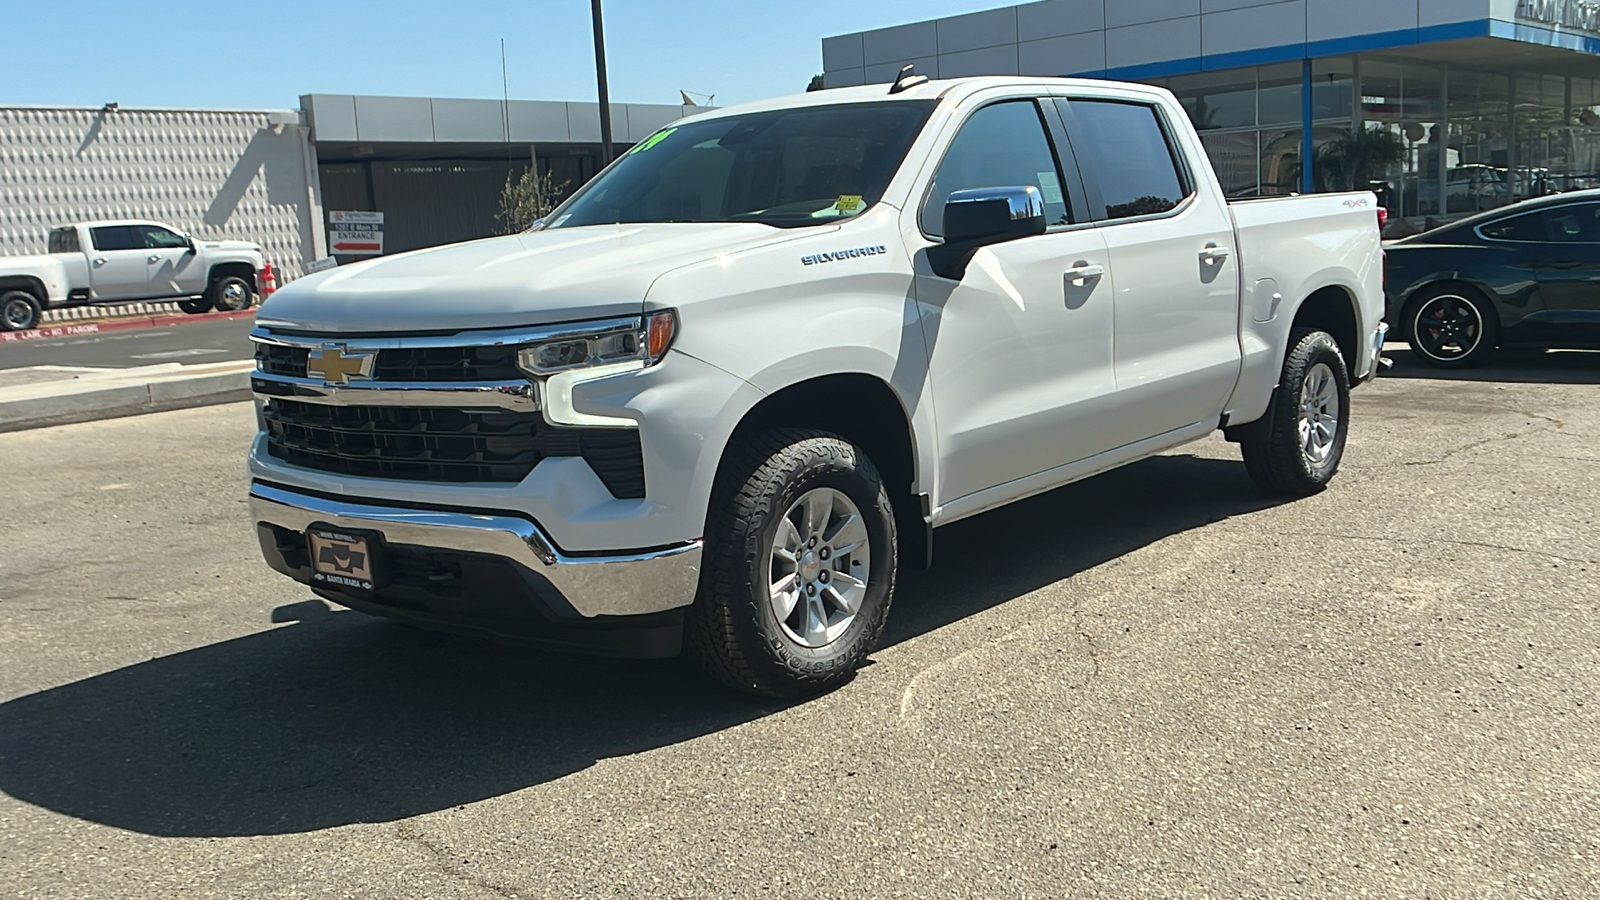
(337, 366)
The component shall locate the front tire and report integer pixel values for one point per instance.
(230, 293)
(1296, 449)
(800, 565)
(19, 311)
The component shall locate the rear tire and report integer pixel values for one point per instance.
(1451, 327)
(19, 311)
(1296, 448)
(194, 306)
(799, 568)
(230, 293)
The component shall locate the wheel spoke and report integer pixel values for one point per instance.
(850, 533)
(787, 544)
(785, 594)
(815, 621)
(817, 508)
(846, 601)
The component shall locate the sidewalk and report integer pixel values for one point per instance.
(40, 396)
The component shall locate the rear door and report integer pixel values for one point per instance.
(118, 263)
(172, 271)
(1173, 263)
(1020, 347)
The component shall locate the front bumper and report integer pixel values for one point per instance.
(496, 573)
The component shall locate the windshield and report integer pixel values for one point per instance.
(787, 168)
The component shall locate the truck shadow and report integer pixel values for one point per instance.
(339, 719)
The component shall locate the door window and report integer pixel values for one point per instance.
(1003, 145)
(116, 237)
(1127, 150)
(156, 238)
(1574, 224)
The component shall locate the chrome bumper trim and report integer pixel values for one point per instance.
(1377, 338)
(623, 584)
(495, 337)
(517, 396)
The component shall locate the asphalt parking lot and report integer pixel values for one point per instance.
(1158, 683)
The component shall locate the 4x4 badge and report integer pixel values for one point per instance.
(335, 366)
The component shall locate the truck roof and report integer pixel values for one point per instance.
(102, 223)
(936, 89)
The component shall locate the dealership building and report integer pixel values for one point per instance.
(433, 167)
(1490, 101)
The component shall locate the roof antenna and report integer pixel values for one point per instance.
(908, 79)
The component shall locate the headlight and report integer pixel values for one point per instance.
(644, 340)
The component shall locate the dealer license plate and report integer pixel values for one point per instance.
(341, 558)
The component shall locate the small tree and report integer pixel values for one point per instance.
(528, 199)
(815, 85)
(1357, 159)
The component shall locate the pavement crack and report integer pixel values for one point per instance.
(442, 861)
(1479, 545)
(1510, 436)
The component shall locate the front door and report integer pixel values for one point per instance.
(1020, 347)
(1569, 274)
(172, 270)
(119, 265)
(1177, 357)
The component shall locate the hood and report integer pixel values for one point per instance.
(228, 246)
(535, 278)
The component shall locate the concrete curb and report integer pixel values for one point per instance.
(57, 331)
(108, 311)
(112, 398)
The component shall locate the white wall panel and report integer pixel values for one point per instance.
(988, 61)
(217, 174)
(1331, 19)
(1138, 12)
(843, 52)
(915, 41)
(982, 29)
(1054, 18)
(1446, 12)
(1065, 55)
(1156, 42)
(1253, 28)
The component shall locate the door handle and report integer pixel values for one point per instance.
(100, 261)
(154, 259)
(1214, 254)
(1080, 275)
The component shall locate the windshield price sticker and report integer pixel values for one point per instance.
(652, 140)
(849, 203)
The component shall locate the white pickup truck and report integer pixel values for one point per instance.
(127, 260)
(737, 381)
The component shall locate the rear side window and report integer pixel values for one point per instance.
(1127, 150)
(1003, 145)
(1528, 227)
(116, 237)
(64, 240)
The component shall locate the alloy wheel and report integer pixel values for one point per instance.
(1447, 328)
(1319, 414)
(820, 560)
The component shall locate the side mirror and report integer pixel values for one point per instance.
(190, 242)
(982, 217)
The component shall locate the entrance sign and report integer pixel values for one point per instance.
(1583, 15)
(355, 233)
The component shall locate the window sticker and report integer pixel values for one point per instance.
(1050, 186)
(652, 140)
(849, 204)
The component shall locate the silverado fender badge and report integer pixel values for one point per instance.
(841, 255)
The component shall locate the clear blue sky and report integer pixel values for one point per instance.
(230, 54)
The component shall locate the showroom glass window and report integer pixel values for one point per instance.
(1003, 145)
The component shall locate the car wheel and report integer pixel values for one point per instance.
(1451, 328)
(800, 565)
(194, 306)
(19, 311)
(1296, 448)
(230, 293)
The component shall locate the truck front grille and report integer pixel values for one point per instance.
(444, 445)
(423, 364)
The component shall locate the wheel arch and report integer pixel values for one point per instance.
(28, 283)
(1334, 309)
(866, 411)
(238, 268)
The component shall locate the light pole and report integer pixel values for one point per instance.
(605, 92)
